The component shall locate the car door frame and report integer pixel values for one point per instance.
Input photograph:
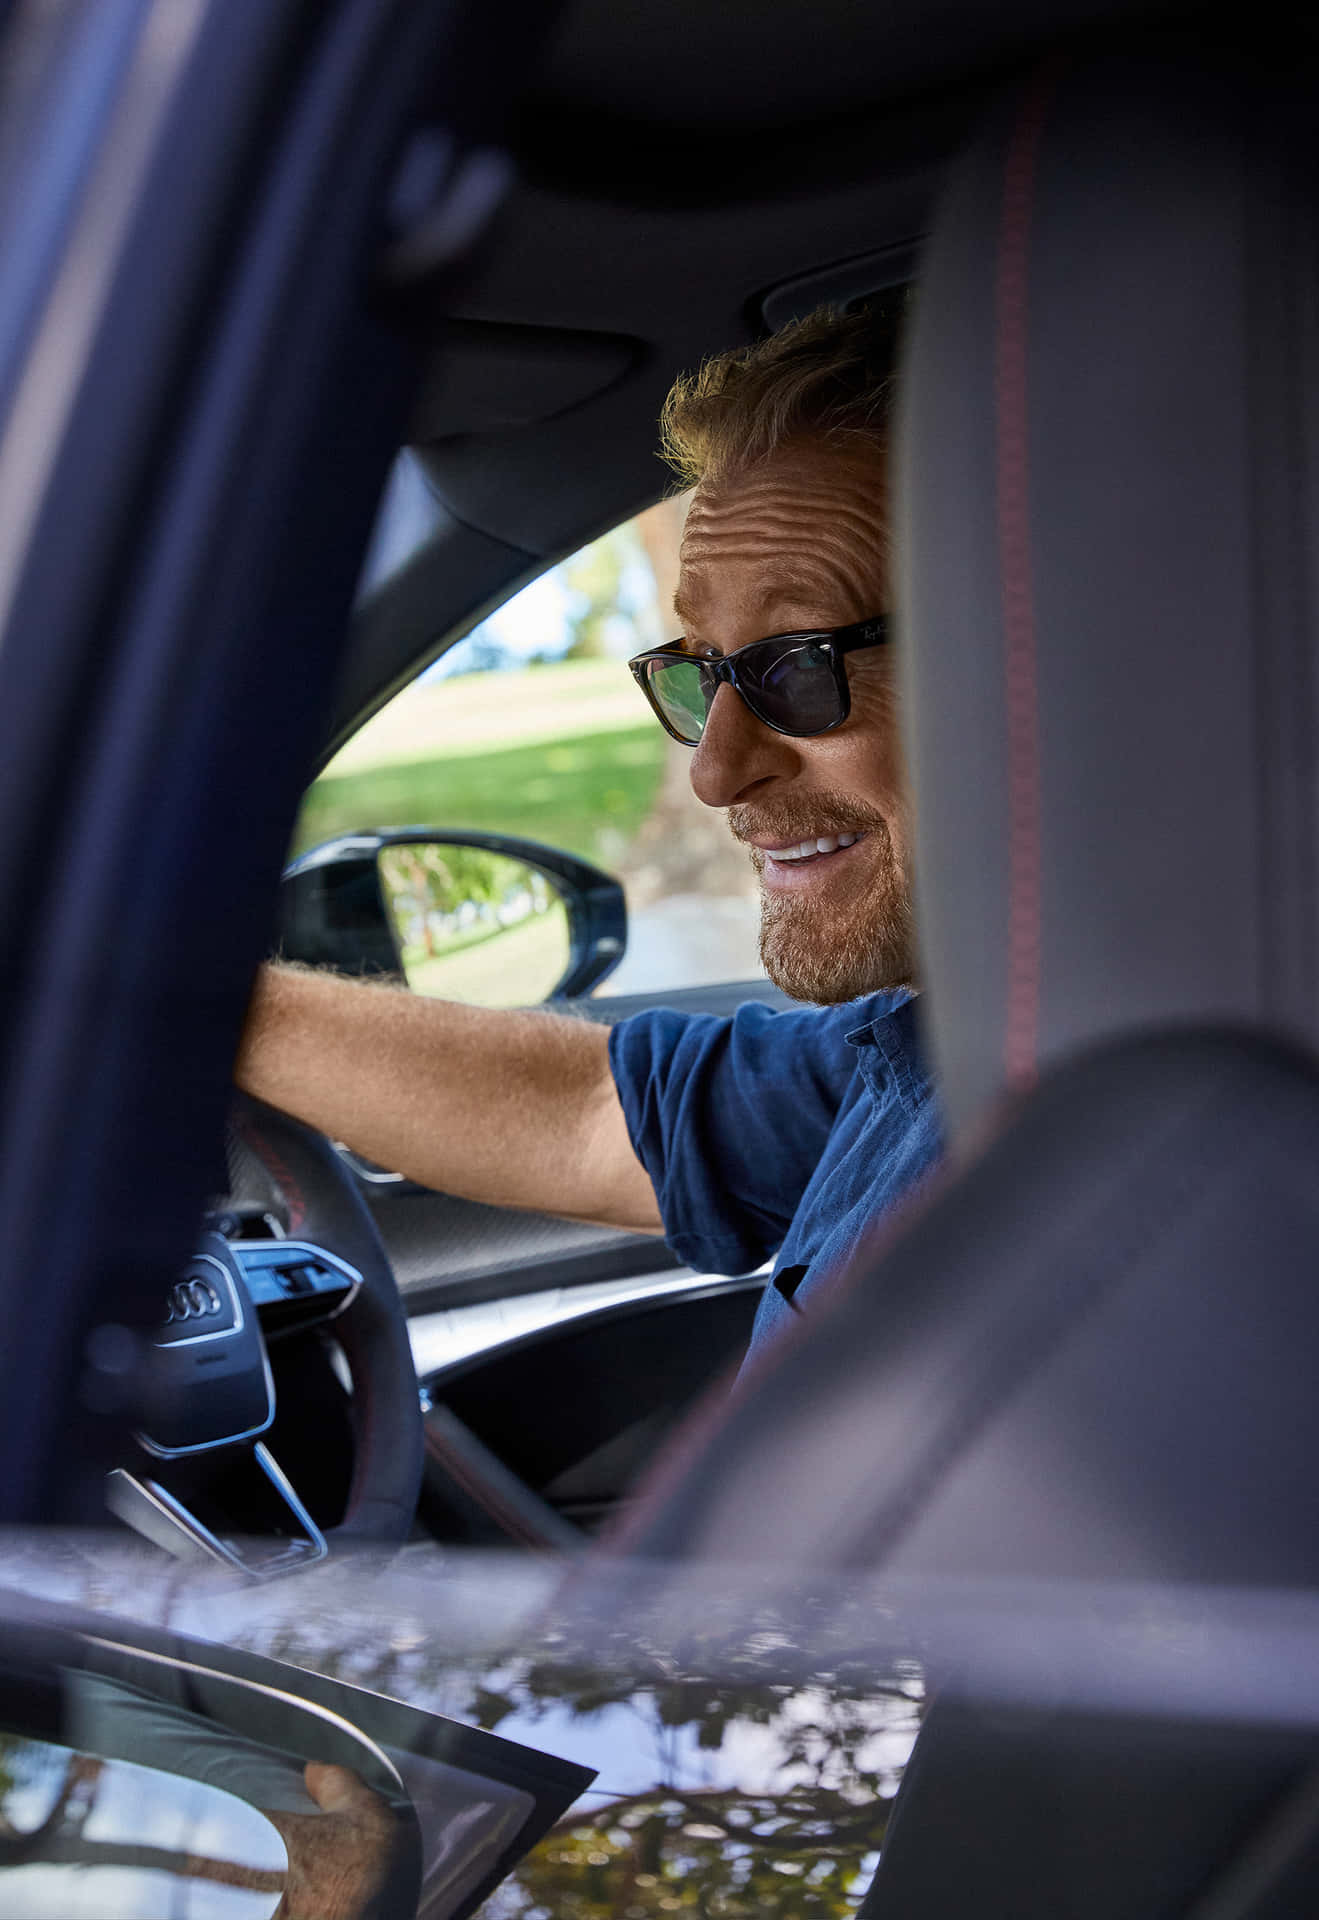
(199, 412)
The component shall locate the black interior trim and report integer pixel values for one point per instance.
(615, 1257)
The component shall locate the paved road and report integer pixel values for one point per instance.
(690, 939)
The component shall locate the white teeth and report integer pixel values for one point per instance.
(807, 849)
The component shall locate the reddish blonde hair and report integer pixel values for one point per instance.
(828, 376)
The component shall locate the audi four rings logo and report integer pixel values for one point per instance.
(191, 1300)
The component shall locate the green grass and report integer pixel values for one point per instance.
(477, 713)
(588, 793)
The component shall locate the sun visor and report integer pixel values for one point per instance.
(839, 284)
(487, 376)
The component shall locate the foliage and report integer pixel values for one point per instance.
(797, 1839)
(594, 577)
(758, 1782)
(446, 896)
(798, 1843)
(484, 652)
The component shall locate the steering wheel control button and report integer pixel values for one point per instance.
(294, 1284)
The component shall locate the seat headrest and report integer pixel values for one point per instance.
(1107, 547)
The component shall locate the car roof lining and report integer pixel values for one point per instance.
(763, 65)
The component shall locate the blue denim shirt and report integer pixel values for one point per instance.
(777, 1132)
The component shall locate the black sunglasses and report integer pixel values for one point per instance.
(795, 682)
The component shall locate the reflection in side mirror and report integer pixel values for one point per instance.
(145, 1775)
(474, 925)
(146, 1784)
(480, 917)
(83, 1833)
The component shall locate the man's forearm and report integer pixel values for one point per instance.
(515, 1108)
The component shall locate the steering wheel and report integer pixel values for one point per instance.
(292, 1168)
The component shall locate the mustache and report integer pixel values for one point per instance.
(823, 813)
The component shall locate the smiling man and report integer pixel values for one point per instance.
(807, 758)
(771, 1133)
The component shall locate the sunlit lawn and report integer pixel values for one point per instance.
(588, 793)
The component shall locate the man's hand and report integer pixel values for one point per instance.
(338, 1858)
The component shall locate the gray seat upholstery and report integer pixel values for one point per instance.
(1108, 549)
(1090, 1350)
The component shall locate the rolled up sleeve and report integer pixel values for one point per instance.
(730, 1118)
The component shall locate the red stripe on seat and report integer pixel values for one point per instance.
(1011, 304)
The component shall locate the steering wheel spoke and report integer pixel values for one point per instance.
(294, 1284)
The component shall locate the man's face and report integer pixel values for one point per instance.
(800, 541)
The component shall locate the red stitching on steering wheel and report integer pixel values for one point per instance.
(274, 1165)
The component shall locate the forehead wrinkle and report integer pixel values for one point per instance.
(786, 519)
(841, 521)
(807, 571)
(793, 587)
(790, 478)
(806, 537)
(833, 558)
(829, 477)
(863, 560)
(786, 522)
(792, 506)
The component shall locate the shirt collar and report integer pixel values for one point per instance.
(889, 1051)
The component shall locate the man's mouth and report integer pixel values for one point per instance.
(802, 865)
(814, 849)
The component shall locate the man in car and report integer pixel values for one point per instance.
(782, 1133)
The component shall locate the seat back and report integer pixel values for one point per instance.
(1109, 532)
(1090, 1352)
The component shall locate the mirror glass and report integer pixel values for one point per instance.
(81, 1836)
(473, 925)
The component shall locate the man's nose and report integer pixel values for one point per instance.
(738, 754)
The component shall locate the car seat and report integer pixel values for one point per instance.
(1087, 1353)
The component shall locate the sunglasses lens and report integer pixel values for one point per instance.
(676, 686)
(793, 687)
(790, 684)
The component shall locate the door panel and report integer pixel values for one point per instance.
(578, 1410)
(196, 413)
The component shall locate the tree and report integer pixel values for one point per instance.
(766, 1794)
(593, 578)
(799, 1844)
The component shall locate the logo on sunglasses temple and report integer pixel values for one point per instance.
(796, 683)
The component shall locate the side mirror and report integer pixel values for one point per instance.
(129, 1782)
(142, 1773)
(479, 917)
